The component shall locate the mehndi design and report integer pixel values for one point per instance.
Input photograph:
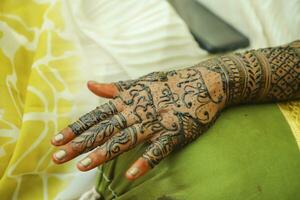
(171, 109)
(98, 114)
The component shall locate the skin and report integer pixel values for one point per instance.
(171, 109)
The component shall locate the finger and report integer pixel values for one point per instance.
(138, 169)
(93, 137)
(158, 150)
(86, 121)
(102, 89)
(119, 143)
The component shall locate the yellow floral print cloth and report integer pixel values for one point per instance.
(38, 77)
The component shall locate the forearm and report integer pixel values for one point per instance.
(263, 75)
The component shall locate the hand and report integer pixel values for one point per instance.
(166, 109)
(171, 109)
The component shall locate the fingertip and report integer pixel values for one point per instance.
(143, 164)
(103, 89)
(80, 167)
(53, 142)
(63, 154)
(138, 169)
(91, 84)
(63, 137)
(55, 160)
(57, 142)
(86, 164)
(133, 173)
(129, 177)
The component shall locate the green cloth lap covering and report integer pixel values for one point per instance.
(250, 153)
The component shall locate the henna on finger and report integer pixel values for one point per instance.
(160, 148)
(140, 109)
(86, 121)
(119, 143)
(93, 137)
(100, 113)
(122, 142)
(101, 132)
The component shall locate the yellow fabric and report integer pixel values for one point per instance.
(291, 111)
(37, 70)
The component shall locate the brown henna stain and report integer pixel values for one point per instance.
(176, 107)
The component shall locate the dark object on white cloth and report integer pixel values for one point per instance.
(210, 31)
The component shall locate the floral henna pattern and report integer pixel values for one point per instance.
(99, 133)
(98, 114)
(171, 109)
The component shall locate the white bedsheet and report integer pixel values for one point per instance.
(126, 39)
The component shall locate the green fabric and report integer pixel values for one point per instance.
(250, 153)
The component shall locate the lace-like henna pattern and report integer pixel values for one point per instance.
(264, 75)
(159, 149)
(174, 108)
(176, 93)
(98, 114)
(127, 137)
(189, 129)
(99, 133)
(168, 97)
(271, 74)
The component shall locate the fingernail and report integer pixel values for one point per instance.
(60, 154)
(133, 171)
(59, 137)
(86, 162)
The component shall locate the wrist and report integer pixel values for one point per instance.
(263, 75)
(232, 77)
(244, 79)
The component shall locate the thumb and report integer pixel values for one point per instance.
(106, 90)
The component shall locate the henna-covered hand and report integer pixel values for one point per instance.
(171, 109)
